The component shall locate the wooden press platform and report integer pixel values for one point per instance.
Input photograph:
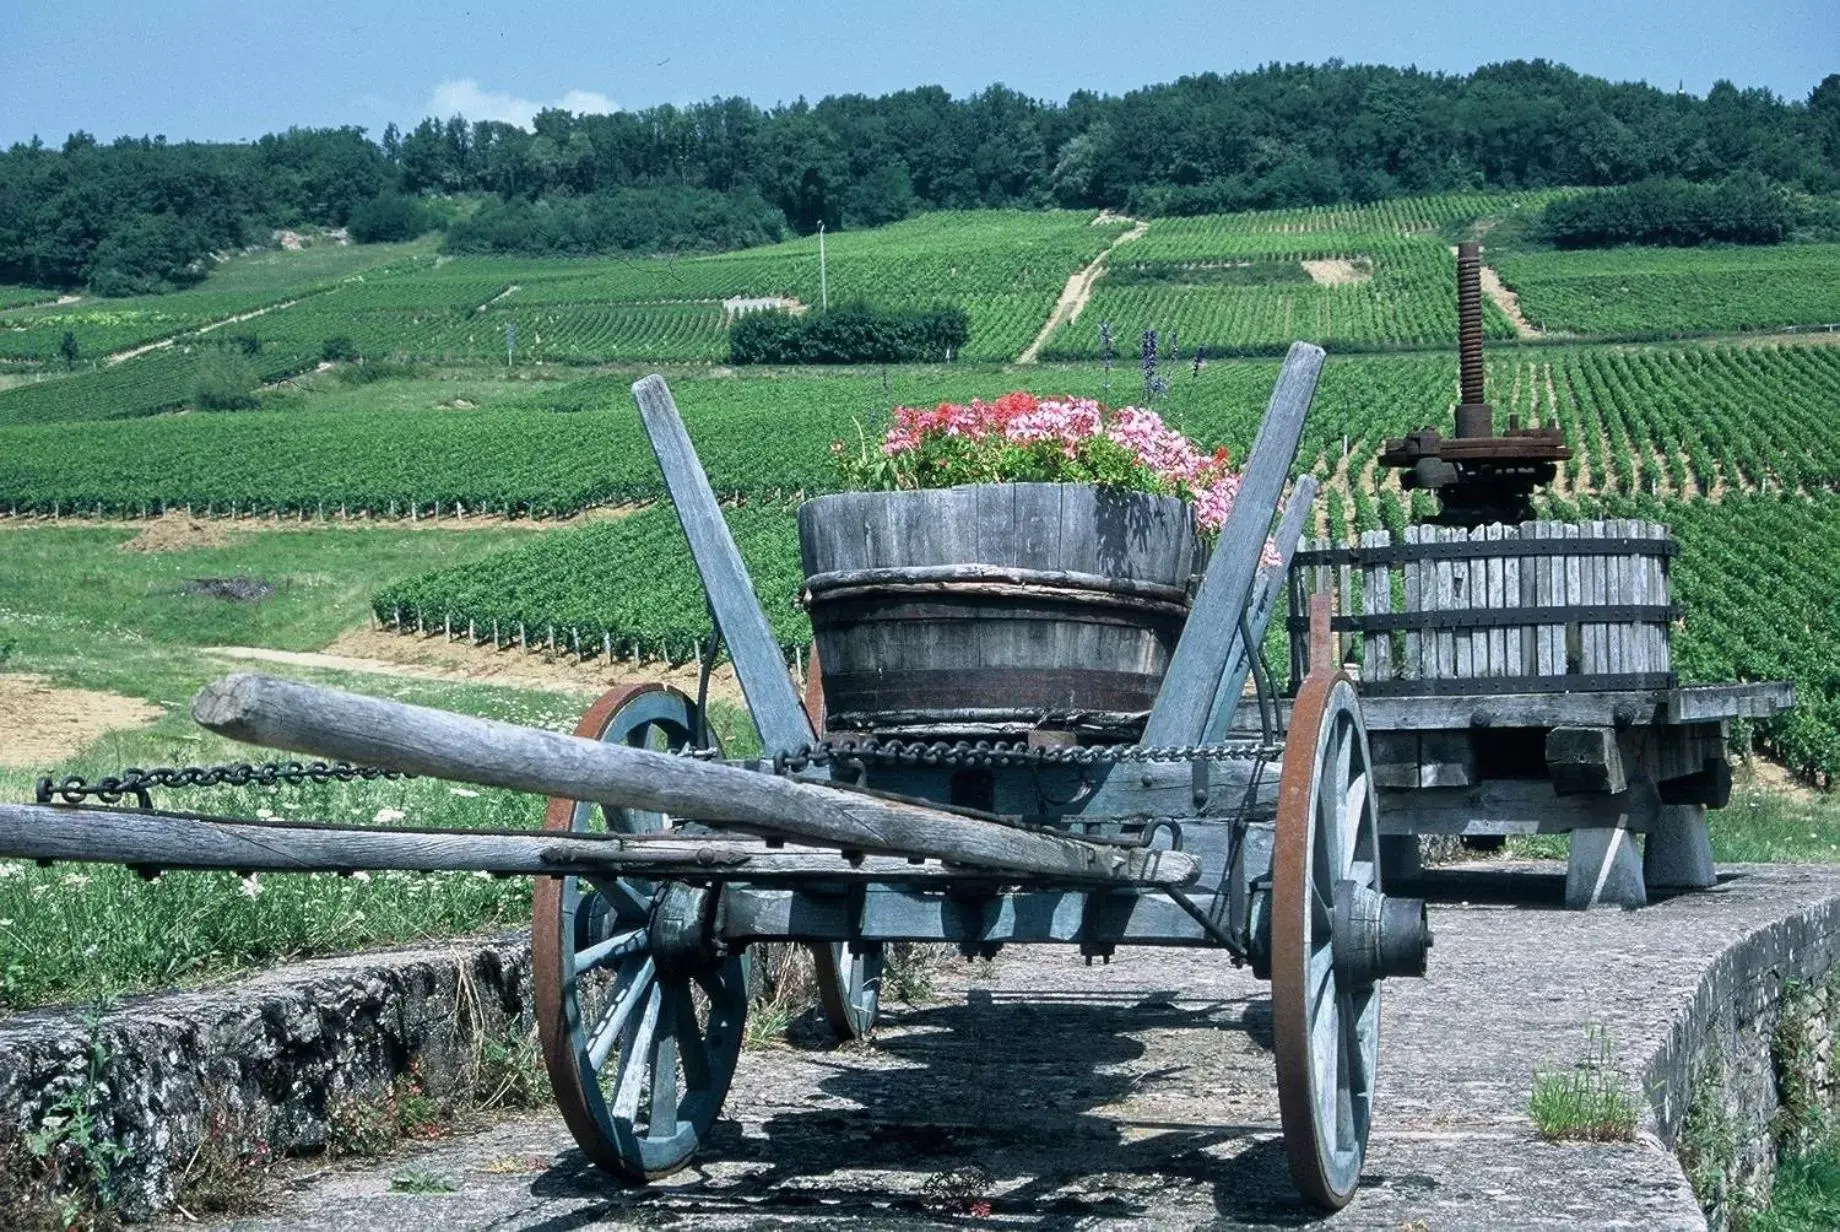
(1519, 680)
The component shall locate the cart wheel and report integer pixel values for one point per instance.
(848, 974)
(1325, 1023)
(640, 1018)
(849, 978)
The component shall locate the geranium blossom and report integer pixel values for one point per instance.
(1064, 439)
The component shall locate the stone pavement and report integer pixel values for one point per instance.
(1142, 1093)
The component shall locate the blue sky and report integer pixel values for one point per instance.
(238, 68)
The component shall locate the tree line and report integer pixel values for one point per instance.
(139, 213)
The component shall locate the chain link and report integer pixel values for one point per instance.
(133, 781)
(74, 788)
(1004, 753)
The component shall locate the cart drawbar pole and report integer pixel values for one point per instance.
(305, 718)
(1180, 714)
(765, 683)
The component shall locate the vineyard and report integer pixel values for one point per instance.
(558, 447)
(1653, 292)
(1374, 277)
(243, 284)
(573, 591)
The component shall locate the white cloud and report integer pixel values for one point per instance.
(464, 97)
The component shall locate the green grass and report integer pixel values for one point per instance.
(1806, 1195)
(1584, 1102)
(73, 575)
(75, 609)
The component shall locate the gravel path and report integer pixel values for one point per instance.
(1141, 1094)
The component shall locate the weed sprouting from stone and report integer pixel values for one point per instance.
(420, 1181)
(1587, 1102)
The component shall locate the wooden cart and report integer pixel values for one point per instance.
(1134, 817)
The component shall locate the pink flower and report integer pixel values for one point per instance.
(1166, 460)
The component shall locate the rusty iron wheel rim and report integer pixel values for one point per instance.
(685, 1026)
(1325, 1030)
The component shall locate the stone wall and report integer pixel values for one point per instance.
(273, 1054)
(1748, 1071)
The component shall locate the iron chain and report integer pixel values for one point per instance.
(1005, 753)
(74, 788)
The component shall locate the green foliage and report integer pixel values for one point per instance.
(663, 219)
(224, 380)
(1586, 1102)
(852, 334)
(338, 349)
(391, 216)
(1806, 1195)
(1744, 209)
(420, 1181)
(68, 350)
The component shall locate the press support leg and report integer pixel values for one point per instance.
(1605, 870)
(1677, 855)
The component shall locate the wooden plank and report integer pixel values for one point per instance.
(1699, 703)
(1528, 661)
(1511, 806)
(1344, 604)
(420, 740)
(1544, 569)
(1664, 660)
(1447, 759)
(1272, 582)
(1571, 570)
(1584, 760)
(1377, 600)
(1630, 653)
(1496, 579)
(1446, 639)
(1180, 714)
(1414, 666)
(170, 842)
(772, 698)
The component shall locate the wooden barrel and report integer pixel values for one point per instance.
(996, 609)
(1536, 608)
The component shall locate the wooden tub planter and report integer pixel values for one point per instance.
(996, 609)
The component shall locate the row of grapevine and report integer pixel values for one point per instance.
(1757, 577)
(158, 381)
(1223, 283)
(1217, 236)
(244, 284)
(1652, 292)
(759, 438)
(625, 589)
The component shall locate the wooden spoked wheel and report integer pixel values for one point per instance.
(849, 978)
(1325, 1022)
(848, 973)
(639, 1014)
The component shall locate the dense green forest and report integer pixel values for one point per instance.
(140, 214)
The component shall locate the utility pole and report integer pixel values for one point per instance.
(824, 282)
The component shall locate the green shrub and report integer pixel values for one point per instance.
(390, 217)
(225, 381)
(339, 349)
(851, 334)
(1745, 209)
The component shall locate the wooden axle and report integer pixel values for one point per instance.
(156, 841)
(419, 740)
